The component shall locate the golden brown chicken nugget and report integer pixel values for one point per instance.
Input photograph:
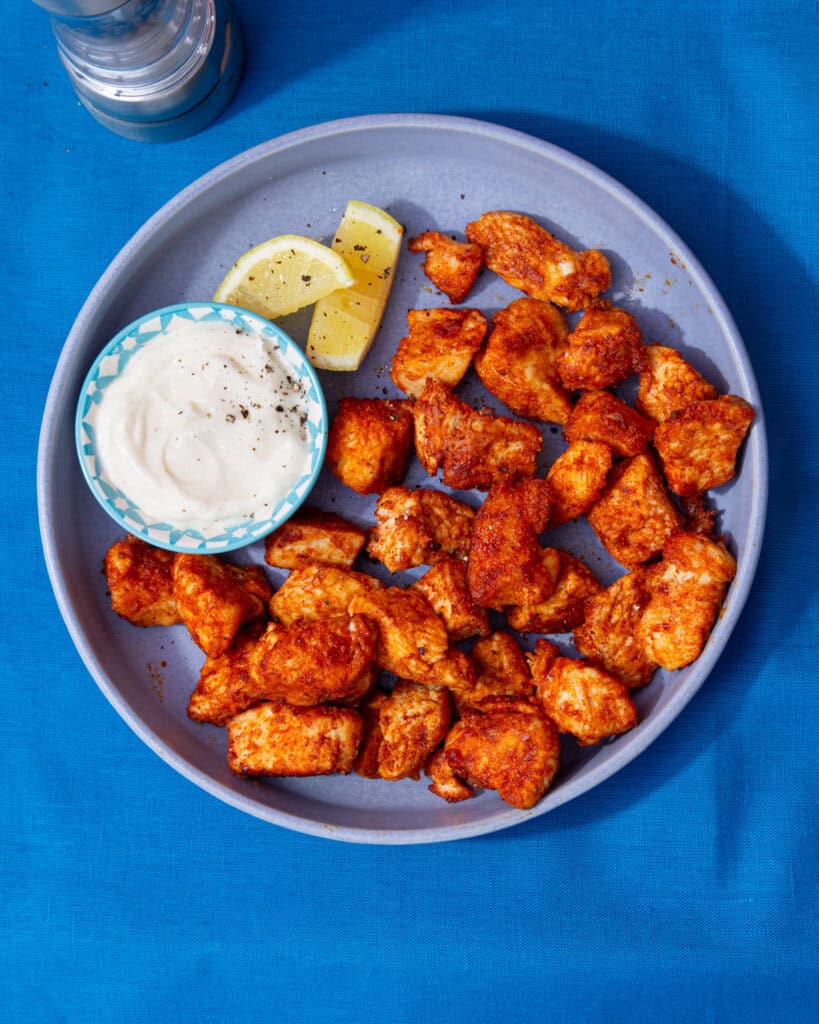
(318, 591)
(446, 588)
(311, 535)
(698, 446)
(225, 686)
(500, 670)
(686, 591)
(419, 527)
(610, 635)
(577, 479)
(455, 671)
(413, 721)
(451, 266)
(313, 662)
(505, 561)
(584, 700)
(439, 346)
(215, 598)
(635, 515)
(601, 416)
(566, 607)
(669, 384)
(366, 763)
(604, 349)
(445, 783)
(369, 442)
(507, 744)
(411, 637)
(140, 581)
(474, 449)
(519, 361)
(276, 739)
(528, 257)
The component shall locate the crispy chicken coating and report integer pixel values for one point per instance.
(214, 599)
(140, 581)
(526, 256)
(451, 266)
(474, 449)
(275, 739)
(366, 763)
(519, 362)
(604, 349)
(507, 744)
(445, 783)
(318, 591)
(686, 592)
(505, 561)
(601, 416)
(698, 445)
(412, 721)
(311, 535)
(446, 588)
(581, 699)
(225, 686)
(501, 670)
(455, 671)
(313, 662)
(439, 346)
(369, 443)
(566, 607)
(411, 637)
(419, 527)
(577, 479)
(669, 384)
(610, 634)
(635, 515)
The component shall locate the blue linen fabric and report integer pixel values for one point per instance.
(682, 889)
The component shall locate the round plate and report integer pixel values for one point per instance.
(429, 172)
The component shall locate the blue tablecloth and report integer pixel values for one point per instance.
(684, 888)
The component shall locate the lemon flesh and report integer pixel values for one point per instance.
(345, 323)
(283, 275)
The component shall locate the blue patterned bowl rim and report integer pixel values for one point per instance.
(109, 364)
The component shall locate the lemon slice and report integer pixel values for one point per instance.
(345, 322)
(283, 275)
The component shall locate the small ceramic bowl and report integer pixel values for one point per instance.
(148, 330)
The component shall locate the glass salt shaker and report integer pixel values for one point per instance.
(151, 70)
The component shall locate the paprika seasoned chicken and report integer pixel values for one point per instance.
(318, 592)
(565, 608)
(402, 730)
(369, 443)
(669, 383)
(439, 346)
(140, 581)
(601, 416)
(446, 588)
(419, 527)
(604, 349)
(451, 266)
(577, 479)
(311, 535)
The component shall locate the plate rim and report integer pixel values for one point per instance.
(755, 454)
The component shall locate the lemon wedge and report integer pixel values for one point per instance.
(283, 275)
(345, 323)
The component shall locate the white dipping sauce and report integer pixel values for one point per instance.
(205, 425)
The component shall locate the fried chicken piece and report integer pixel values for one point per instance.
(474, 449)
(669, 384)
(275, 739)
(519, 362)
(419, 527)
(140, 581)
(604, 349)
(311, 535)
(366, 763)
(411, 637)
(566, 607)
(686, 593)
(451, 266)
(225, 686)
(445, 783)
(369, 443)
(439, 346)
(698, 445)
(412, 721)
(505, 561)
(455, 671)
(610, 634)
(214, 599)
(507, 744)
(313, 662)
(526, 256)
(577, 479)
(635, 515)
(581, 699)
(318, 591)
(601, 416)
(446, 588)
(501, 670)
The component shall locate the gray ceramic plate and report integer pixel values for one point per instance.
(429, 172)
